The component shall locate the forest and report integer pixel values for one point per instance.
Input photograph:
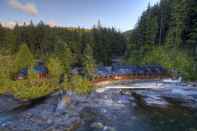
(62, 49)
(165, 34)
(43, 41)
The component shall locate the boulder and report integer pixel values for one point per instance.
(98, 125)
(64, 103)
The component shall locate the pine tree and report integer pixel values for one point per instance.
(24, 57)
(10, 42)
(2, 38)
(55, 67)
(179, 14)
(66, 58)
(88, 62)
(191, 32)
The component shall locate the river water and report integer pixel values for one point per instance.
(170, 108)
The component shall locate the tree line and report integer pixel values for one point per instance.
(166, 34)
(44, 41)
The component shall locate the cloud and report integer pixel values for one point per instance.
(8, 24)
(12, 24)
(153, 2)
(28, 8)
(52, 23)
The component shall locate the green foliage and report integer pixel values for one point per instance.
(66, 57)
(25, 89)
(80, 85)
(67, 83)
(55, 67)
(89, 63)
(134, 58)
(171, 59)
(10, 42)
(6, 67)
(30, 90)
(107, 43)
(45, 41)
(5, 85)
(68, 45)
(171, 23)
(24, 57)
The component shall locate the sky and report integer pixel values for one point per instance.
(121, 14)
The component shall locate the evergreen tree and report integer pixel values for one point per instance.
(191, 28)
(24, 57)
(66, 57)
(45, 41)
(10, 42)
(88, 62)
(55, 67)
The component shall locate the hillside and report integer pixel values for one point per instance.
(166, 34)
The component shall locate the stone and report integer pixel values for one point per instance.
(49, 121)
(8, 102)
(88, 114)
(107, 128)
(97, 125)
(65, 102)
(74, 125)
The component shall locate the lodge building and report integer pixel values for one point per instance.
(130, 73)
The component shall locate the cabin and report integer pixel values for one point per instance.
(41, 70)
(22, 74)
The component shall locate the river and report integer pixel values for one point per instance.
(170, 108)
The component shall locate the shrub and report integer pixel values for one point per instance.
(5, 85)
(55, 67)
(134, 58)
(88, 62)
(171, 59)
(24, 57)
(80, 85)
(25, 89)
(6, 67)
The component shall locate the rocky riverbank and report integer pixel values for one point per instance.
(8, 102)
(112, 110)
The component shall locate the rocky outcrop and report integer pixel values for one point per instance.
(108, 111)
(8, 102)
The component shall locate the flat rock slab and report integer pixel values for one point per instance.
(40, 117)
(8, 102)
